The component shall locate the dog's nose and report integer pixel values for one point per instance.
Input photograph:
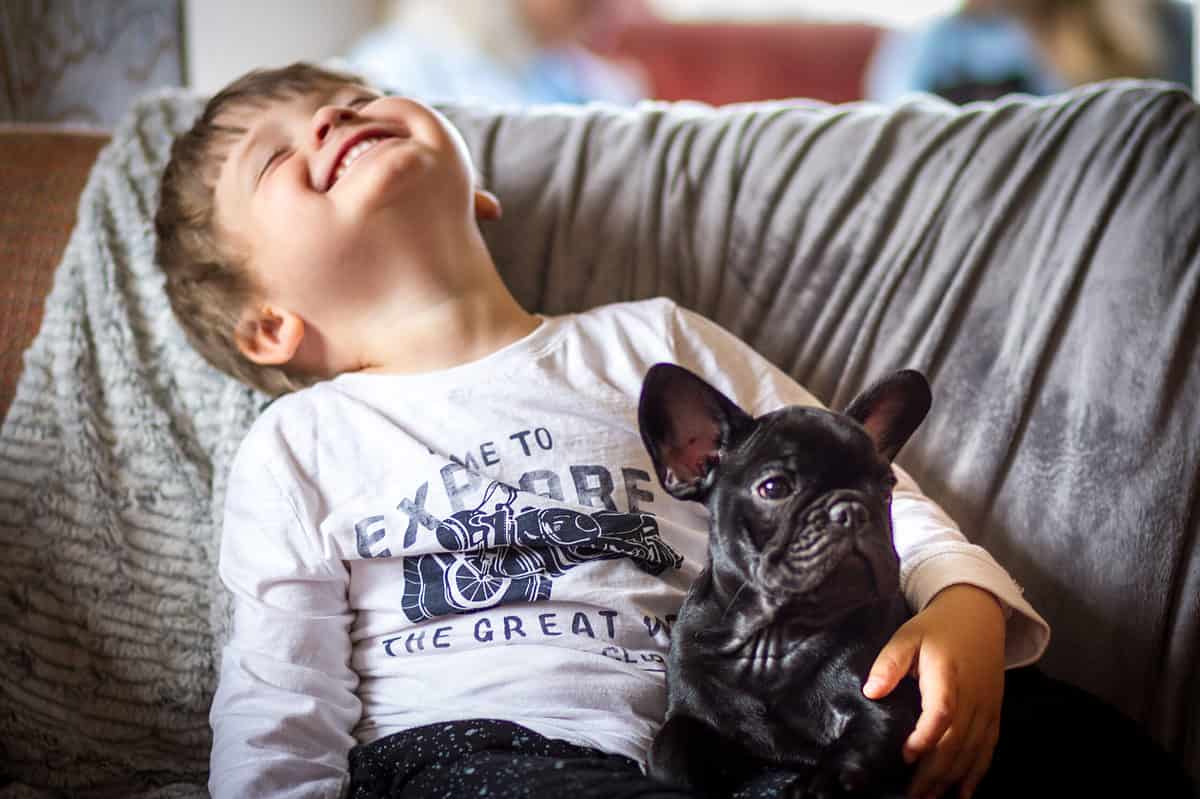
(848, 514)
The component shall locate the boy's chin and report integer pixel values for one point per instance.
(401, 204)
(406, 217)
(393, 164)
(393, 188)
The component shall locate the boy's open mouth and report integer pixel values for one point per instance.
(353, 149)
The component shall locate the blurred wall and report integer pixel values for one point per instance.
(80, 63)
(225, 38)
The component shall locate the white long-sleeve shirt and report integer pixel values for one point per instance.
(489, 541)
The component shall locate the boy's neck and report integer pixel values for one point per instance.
(463, 327)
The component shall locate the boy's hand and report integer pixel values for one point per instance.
(955, 648)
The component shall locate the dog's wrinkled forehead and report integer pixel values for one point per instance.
(816, 439)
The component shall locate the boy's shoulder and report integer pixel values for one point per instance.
(288, 422)
(657, 317)
(299, 404)
(636, 326)
(656, 313)
(652, 306)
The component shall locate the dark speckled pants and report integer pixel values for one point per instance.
(502, 760)
(1055, 741)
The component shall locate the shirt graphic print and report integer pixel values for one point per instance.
(499, 553)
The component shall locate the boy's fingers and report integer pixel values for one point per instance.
(981, 765)
(952, 759)
(892, 664)
(962, 755)
(932, 775)
(938, 703)
(968, 753)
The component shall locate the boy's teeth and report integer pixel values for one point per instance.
(352, 154)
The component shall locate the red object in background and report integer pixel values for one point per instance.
(720, 63)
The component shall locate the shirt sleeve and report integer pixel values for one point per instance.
(285, 703)
(934, 554)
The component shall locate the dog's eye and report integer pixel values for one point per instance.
(775, 487)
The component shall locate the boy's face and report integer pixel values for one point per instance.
(333, 196)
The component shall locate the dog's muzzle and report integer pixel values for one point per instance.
(824, 534)
(836, 513)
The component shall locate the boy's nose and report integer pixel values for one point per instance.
(326, 118)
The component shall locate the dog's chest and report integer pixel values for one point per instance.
(780, 690)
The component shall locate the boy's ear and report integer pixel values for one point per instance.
(268, 335)
(487, 205)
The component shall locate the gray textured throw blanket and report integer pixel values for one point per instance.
(111, 466)
(1038, 259)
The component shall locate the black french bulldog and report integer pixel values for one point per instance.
(776, 637)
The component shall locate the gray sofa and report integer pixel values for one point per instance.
(1039, 260)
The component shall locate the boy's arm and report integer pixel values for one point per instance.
(285, 704)
(934, 553)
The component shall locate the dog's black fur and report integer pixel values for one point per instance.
(776, 637)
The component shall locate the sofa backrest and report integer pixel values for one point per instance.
(1038, 259)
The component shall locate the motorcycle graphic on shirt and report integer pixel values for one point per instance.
(497, 554)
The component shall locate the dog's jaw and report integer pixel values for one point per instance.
(789, 621)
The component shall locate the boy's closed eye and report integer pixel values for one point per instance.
(275, 156)
(279, 152)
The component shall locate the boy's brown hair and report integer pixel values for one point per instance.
(209, 285)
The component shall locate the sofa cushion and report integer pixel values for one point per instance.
(1038, 259)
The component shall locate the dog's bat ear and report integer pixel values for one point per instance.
(892, 410)
(686, 424)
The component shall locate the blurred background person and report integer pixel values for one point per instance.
(496, 51)
(1093, 40)
(990, 48)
